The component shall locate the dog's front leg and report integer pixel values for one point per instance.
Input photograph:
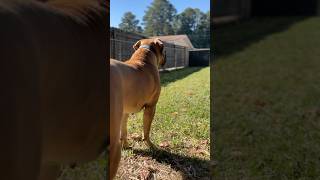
(148, 115)
(124, 131)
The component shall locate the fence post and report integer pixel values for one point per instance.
(120, 51)
(175, 56)
(113, 44)
(184, 57)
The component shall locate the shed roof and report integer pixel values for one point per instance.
(181, 40)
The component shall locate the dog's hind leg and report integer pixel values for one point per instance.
(124, 131)
(148, 115)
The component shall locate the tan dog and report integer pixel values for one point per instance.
(53, 107)
(134, 85)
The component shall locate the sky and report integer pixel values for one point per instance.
(138, 7)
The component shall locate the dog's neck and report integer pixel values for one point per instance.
(142, 56)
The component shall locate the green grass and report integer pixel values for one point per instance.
(266, 85)
(180, 128)
(183, 109)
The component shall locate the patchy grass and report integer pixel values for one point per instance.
(95, 170)
(180, 129)
(266, 100)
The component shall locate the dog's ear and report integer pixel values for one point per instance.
(158, 43)
(136, 45)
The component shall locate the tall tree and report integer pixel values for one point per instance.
(195, 24)
(158, 18)
(129, 23)
(202, 31)
(186, 21)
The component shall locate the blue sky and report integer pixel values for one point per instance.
(138, 7)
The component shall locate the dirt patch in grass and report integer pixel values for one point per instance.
(161, 164)
(140, 167)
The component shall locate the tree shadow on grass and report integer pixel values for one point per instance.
(167, 77)
(191, 167)
(235, 37)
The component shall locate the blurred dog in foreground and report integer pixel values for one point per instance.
(53, 107)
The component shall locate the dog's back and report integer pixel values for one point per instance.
(140, 86)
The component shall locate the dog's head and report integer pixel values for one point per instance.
(156, 46)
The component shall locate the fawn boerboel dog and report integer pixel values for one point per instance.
(53, 77)
(134, 85)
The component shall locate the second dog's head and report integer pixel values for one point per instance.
(156, 46)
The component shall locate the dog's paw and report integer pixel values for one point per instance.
(150, 144)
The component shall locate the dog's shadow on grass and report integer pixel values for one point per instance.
(191, 167)
(167, 77)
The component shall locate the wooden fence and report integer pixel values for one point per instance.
(121, 49)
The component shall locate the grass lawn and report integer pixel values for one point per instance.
(180, 130)
(266, 84)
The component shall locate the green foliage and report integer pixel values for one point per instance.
(188, 21)
(201, 35)
(158, 19)
(195, 24)
(129, 23)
